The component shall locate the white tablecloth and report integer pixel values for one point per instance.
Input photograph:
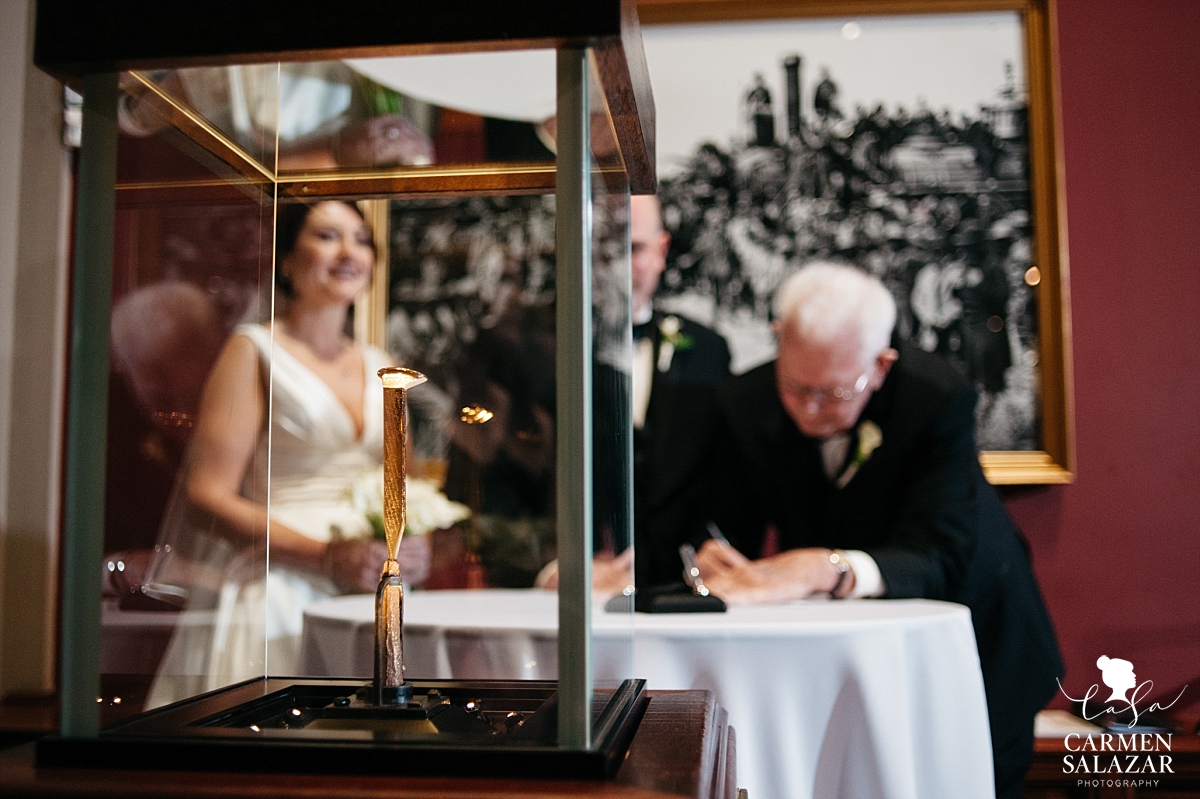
(854, 699)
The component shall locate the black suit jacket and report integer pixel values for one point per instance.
(919, 505)
(668, 451)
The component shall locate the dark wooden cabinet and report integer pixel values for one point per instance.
(684, 747)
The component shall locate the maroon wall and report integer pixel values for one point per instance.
(1118, 552)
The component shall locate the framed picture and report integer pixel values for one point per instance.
(916, 140)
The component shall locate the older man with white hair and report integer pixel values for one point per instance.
(848, 467)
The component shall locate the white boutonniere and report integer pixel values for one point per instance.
(869, 438)
(673, 338)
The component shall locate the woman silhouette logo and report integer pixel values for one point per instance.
(1118, 675)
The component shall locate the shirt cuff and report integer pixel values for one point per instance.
(550, 570)
(868, 581)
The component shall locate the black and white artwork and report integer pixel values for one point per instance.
(896, 144)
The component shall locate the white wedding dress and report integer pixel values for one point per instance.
(302, 470)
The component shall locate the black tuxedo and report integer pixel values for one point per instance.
(919, 505)
(669, 448)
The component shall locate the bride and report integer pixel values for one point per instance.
(325, 431)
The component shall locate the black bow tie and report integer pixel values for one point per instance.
(644, 330)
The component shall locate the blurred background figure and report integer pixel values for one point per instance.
(676, 364)
(321, 441)
(165, 338)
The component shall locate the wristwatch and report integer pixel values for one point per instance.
(840, 562)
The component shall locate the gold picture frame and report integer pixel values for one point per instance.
(1054, 462)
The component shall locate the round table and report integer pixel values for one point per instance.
(855, 699)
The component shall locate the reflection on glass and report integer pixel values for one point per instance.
(612, 384)
(239, 103)
(611, 387)
(472, 292)
(471, 306)
(366, 113)
(286, 448)
(192, 262)
(476, 107)
(476, 414)
(245, 420)
(275, 458)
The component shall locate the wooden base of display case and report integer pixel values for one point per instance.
(487, 728)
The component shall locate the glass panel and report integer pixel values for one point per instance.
(471, 305)
(246, 416)
(326, 428)
(469, 302)
(612, 387)
(192, 263)
(374, 114)
(466, 108)
(229, 110)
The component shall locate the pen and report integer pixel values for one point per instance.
(717, 535)
(691, 570)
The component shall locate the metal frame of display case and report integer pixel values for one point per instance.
(86, 44)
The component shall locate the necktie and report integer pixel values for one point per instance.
(643, 377)
(833, 454)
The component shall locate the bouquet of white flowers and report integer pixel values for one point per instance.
(427, 508)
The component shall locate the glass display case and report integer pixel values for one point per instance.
(250, 197)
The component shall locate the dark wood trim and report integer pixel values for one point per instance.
(673, 12)
(622, 62)
(452, 181)
(195, 192)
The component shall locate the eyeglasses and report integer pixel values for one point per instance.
(821, 396)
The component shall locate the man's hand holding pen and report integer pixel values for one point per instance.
(717, 557)
(789, 575)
